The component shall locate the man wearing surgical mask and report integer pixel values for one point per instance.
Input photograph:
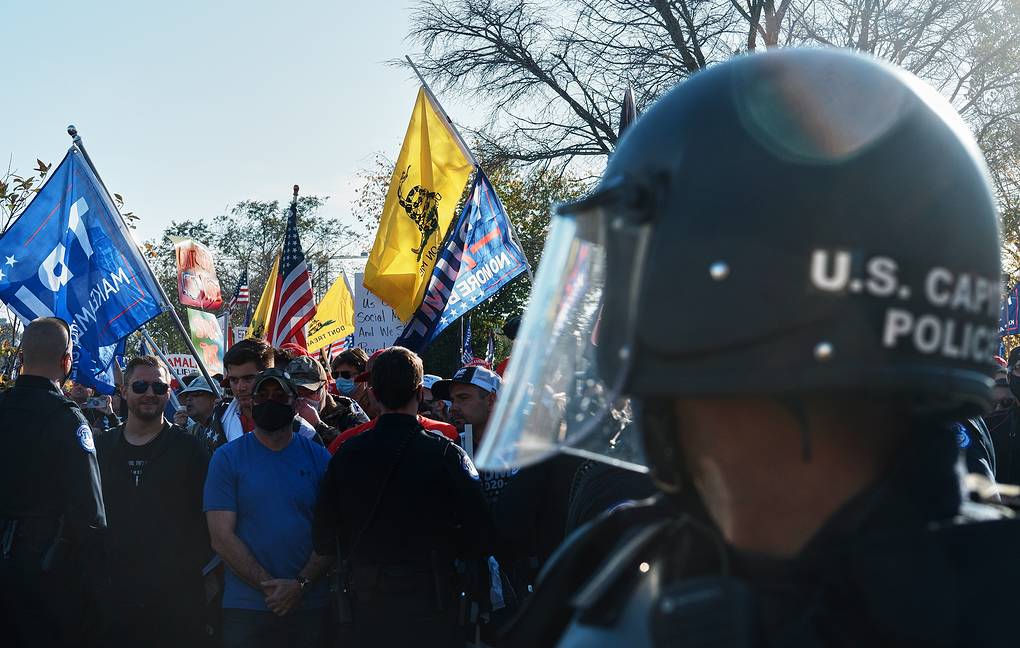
(329, 415)
(346, 367)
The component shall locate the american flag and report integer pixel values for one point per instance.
(241, 294)
(294, 301)
(340, 346)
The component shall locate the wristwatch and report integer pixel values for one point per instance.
(302, 581)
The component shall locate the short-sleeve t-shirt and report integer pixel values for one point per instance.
(273, 494)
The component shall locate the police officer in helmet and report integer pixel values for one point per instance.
(791, 268)
(51, 504)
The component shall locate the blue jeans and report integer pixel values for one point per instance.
(258, 629)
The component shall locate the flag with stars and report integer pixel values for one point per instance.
(294, 301)
(479, 258)
(1009, 317)
(241, 293)
(467, 354)
(70, 256)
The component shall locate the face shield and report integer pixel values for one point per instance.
(563, 387)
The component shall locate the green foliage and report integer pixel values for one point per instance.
(248, 237)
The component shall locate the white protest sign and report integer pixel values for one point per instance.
(376, 326)
(182, 364)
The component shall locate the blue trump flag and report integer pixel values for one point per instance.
(480, 257)
(1009, 317)
(69, 255)
(467, 354)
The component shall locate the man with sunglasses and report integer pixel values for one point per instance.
(1003, 423)
(259, 498)
(51, 505)
(157, 541)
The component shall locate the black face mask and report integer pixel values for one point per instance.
(1014, 384)
(271, 416)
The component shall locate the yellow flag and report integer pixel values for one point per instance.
(432, 173)
(259, 321)
(334, 316)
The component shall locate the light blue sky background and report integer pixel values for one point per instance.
(188, 107)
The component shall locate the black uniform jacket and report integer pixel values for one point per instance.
(907, 562)
(432, 505)
(48, 461)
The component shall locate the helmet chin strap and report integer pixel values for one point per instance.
(656, 423)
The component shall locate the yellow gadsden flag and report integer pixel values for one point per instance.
(334, 316)
(432, 173)
(260, 320)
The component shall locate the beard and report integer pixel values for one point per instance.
(146, 411)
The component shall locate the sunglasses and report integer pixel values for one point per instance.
(1004, 403)
(142, 386)
(346, 375)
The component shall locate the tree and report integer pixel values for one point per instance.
(573, 59)
(248, 237)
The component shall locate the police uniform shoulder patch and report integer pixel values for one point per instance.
(84, 434)
(469, 466)
(962, 438)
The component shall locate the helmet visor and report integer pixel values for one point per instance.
(554, 397)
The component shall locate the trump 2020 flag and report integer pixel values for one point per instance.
(480, 257)
(1009, 317)
(69, 255)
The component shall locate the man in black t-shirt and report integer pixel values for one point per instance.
(157, 540)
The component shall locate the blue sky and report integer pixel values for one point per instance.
(189, 107)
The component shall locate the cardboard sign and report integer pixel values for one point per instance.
(207, 337)
(376, 326)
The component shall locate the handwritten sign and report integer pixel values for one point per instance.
(376, 326)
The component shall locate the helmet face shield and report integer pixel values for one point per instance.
(556, 397)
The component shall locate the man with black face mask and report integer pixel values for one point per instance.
(1004, 424)
(259, 498)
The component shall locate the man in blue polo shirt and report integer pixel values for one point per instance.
(259, 499)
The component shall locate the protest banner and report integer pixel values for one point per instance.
(182, 364)
(208, 338)
(376, 326)
(197, 284)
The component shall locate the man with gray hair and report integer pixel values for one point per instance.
(51, 506)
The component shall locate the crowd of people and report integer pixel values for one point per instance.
(224, 518)
(785, 473)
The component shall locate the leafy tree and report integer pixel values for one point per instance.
(248, 237)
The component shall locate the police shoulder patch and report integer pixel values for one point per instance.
(962, 438)
(469, 466)
(84, 434)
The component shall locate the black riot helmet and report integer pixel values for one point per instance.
(797, 222)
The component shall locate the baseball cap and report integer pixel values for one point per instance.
(279, 376)
(477, 376)
(305, 371)
(429, 379)
(199, 384)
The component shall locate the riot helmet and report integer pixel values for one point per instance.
(796, 222)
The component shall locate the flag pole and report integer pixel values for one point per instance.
(467, 153)
(178, 324)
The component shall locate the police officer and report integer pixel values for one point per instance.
(791, 266)
(404, 503)
(51, 504)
